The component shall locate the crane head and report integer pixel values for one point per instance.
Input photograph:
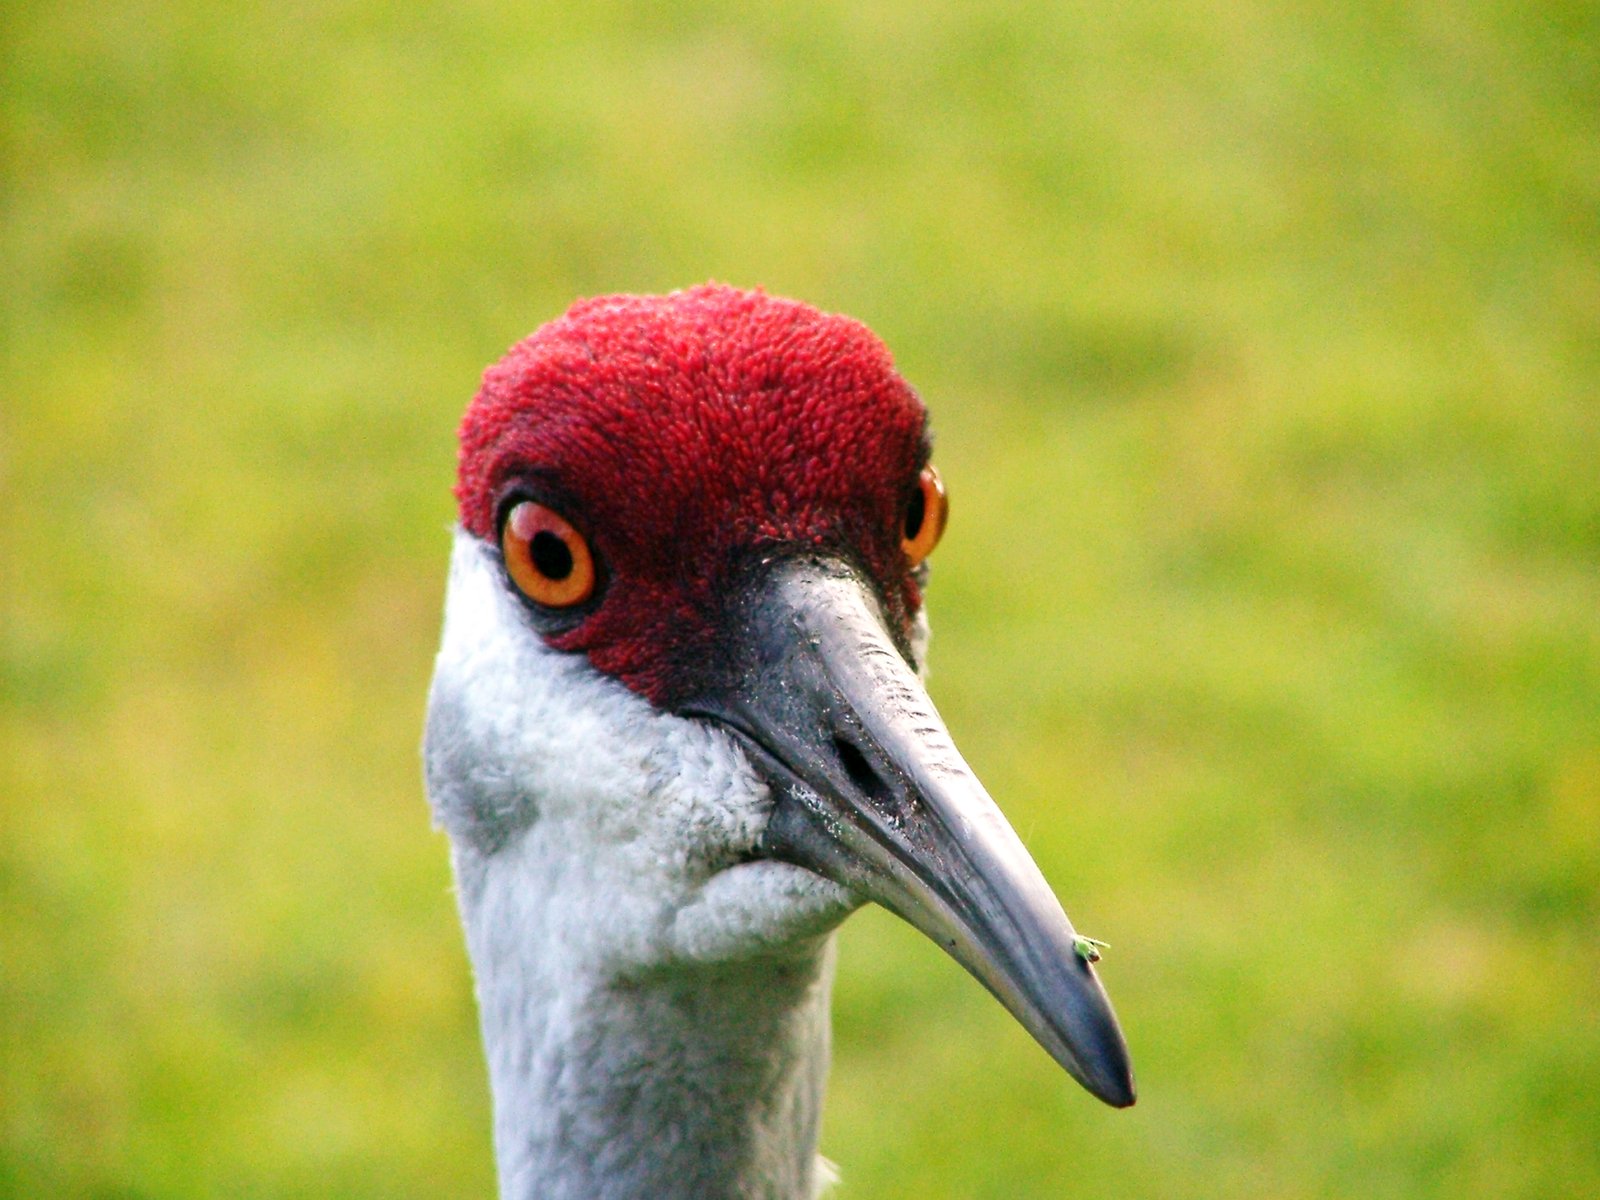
(706, 516)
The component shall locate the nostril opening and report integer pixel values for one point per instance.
(856, 765)
(866, 780)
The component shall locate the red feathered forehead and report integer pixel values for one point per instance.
(677, 432)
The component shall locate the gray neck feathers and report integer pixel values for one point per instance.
(654, 996)
(698, 1080)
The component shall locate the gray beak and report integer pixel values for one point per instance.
(872, 793)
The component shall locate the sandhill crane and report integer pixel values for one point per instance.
(677, 733)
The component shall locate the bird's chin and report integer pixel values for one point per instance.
(760, 908)
(786, 882)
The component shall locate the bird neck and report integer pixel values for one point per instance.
(683, 1080)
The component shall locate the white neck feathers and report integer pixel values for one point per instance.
(654, 1006)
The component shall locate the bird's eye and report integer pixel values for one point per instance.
(546, 557)
(925, 516)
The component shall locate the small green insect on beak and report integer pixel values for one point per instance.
(1088, 948)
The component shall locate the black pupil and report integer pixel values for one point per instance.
(551, 557)
(914, 515)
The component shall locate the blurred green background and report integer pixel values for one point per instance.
(1263, 342)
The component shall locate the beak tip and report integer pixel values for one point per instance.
(1118, 1092)
(1109, 1078)
(1097, 1053)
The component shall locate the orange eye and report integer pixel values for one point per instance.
(547, 558)
(925, 516)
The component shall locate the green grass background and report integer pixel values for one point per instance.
(1263, 342)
